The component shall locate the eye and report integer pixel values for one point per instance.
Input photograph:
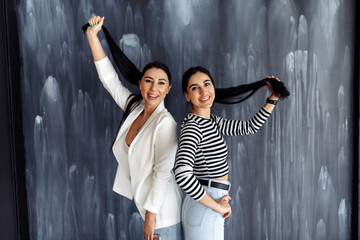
(147, 80)
(194, 88)
(161, 83)
(207, 83)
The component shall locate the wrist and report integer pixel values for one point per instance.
(273, 97)
(91, 34)
(150, 215)
(270, 101)
(218, 208)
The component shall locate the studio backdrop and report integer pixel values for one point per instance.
(292, 180)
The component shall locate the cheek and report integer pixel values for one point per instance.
(165, 89)
(143, 90)
(141, 86)
(192, 96)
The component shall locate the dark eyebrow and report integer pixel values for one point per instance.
(192, 85)
(195, 84)
(160, 79)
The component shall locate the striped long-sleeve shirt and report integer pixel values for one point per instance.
(202, 150)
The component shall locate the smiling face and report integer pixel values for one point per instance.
(154, 86)
(201, 93)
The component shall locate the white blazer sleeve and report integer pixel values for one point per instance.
(165, 150)
(111, 82)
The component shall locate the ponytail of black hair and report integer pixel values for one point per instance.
(130, 72)
(233, 95)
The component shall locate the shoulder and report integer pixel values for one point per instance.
(190, 121)
(165, 117)
(191, 126)
(216, 118)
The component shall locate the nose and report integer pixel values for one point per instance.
(201, 90)
(153, 86)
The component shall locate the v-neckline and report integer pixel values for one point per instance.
(137, 130)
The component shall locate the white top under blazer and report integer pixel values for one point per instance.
(144, 172)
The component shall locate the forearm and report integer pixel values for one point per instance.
(149, 225)
(209, 202)
(95, 46)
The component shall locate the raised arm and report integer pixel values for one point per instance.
(105, 69)
(94, 42)
(238, 127)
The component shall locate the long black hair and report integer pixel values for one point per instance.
(236, 94)
(130, 72)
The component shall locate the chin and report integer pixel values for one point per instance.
(153, 102)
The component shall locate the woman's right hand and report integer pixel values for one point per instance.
(225, 207)
(96, 23)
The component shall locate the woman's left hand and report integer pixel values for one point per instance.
(149, 225)
(273, 96)
(224, 201)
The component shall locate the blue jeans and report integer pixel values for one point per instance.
(173, 232)
(200, 222)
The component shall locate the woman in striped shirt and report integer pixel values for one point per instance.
(201, 168)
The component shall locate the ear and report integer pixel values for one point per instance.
(187, 96)
(169, 88)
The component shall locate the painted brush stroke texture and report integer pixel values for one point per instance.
(289, 181)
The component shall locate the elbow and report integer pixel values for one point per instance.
(253, 129)
(178, 179)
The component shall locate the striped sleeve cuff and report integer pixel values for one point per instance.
(265, 112)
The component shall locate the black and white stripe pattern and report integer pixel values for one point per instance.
(202, 150)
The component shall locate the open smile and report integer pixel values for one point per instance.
(205, 99)
(152, 96)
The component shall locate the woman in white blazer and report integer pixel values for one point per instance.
(146, 143)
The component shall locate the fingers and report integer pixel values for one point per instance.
(226, 215)
(96, 20)
(95, 23)
(150, 236)
(226, 197)
(273, 77)
(149, 233)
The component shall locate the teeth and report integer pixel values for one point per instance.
(205, 99)
(151, 95)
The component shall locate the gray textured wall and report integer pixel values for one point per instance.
(292, 180)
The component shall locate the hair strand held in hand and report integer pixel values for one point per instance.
(233, 95)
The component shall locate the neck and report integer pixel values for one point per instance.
(148, 110)
(204, 112)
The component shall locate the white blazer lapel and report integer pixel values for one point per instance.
(150, 119)
(130, 119)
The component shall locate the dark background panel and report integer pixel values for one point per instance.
(356, 133)
(13, 205)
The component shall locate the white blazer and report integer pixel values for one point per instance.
(146, 173)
